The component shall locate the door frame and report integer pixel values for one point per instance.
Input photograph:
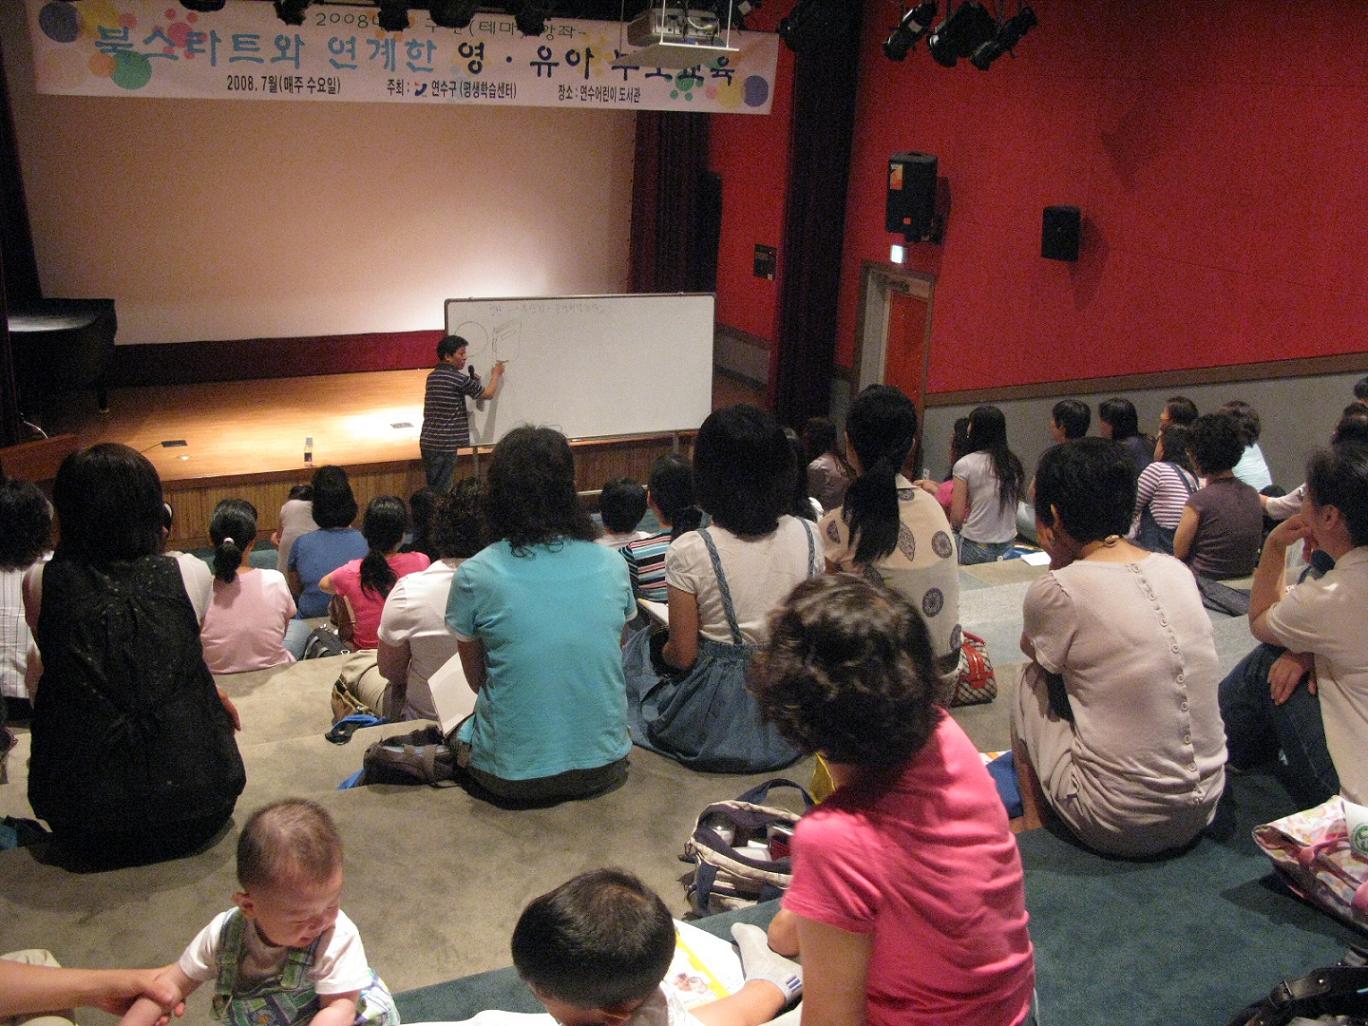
(877, 280)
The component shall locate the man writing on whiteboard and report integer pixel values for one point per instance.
(446, 423)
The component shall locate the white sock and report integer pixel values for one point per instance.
(759, 962)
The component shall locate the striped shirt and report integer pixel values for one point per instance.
(446, 424)
(646, 566)
(1164, 488)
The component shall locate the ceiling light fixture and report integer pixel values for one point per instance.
(1009, 33)
(915, 23)
(963, 31)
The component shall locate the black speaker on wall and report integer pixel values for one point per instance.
(1060, 233)
(911, 207)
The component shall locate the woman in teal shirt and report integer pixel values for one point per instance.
(538, 616)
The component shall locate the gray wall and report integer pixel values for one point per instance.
(1298, 414)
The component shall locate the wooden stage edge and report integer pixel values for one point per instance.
(246, 440)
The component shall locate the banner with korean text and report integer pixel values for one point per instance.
(157, 48)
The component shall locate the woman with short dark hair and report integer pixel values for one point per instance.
(133, 751)
(1118, 420)
(723, 581)
(1221, 529)
(1117, 712)
(538, 617)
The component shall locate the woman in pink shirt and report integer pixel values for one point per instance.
(366, 582)
(908, 903)
(244, 628)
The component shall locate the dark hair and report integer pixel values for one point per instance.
(1353, 425)
(232, 528)
(1073, 417)
(1338, 476)
(1177, 439)
(530, 497)
(600, 940)
(1090, 484)
(1120, 415)
(25, 524)
(819, 438)
(1181, 410)
(1361, 388)
(109, 504)
(1246, 420)
(290, 840)
(988, 433)
(622, 504)
(422, 508)
(450, 344)
(383, 526)
(302, 492)
(959, 444)
(672, 490)
(1216, 444)
(800, 505)
(882, 425)
(458, 522)
(334, 505)
(743, 469)
(848, 672)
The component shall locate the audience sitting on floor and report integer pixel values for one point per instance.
(989, 481)
(687, 697)
(1069, 420)
(1163, 489)
(1116, 713)
(801, 504)
(894, 532)
(25, 538)
(829, 473)
(1311, 700)
(622, 504)
(320, 552)
(422, 508)
(538, 616)
(595, 951)
(133, 754)
(1221, 528)
(912, 853)
(1178, 409)
(365, 583)
(285, 953)
(670, 495)
(199, 581)
(1252, 469)
(251, 609)
(1352, 427)
(415, 641)
(959, 448)
(1118, 420)
(296, 518)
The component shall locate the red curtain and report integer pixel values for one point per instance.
(675, 205)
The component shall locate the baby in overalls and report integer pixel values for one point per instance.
(286, 954)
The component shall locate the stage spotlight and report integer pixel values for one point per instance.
(203, 6)
(962, 32)
(810, 23)
(915, 24)
(455, 14)
(394, 15)
(1008, 35)
(291, 12)
(529, 16)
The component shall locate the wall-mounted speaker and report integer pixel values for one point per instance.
(1060, 232)
(911, 207)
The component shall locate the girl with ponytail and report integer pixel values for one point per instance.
(890, 530)
(244, 628)
(365, 583)
(988, 483)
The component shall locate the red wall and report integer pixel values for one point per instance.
(751, 153)
(1218, 152)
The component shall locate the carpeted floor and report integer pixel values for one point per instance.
(435, 879)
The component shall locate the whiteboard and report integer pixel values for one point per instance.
(590, 366)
